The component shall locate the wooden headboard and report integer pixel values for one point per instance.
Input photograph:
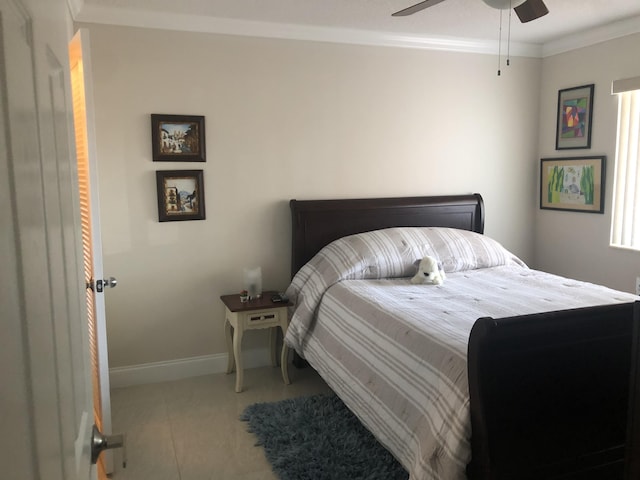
(316, 223)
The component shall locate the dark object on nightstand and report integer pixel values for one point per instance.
(279, 298)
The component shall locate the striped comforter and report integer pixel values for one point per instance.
(394, 352)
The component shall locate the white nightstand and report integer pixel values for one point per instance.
(253, 315)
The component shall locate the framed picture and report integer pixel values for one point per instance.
(575, 184)
(180, 195)
(177, 138)
(575, 110)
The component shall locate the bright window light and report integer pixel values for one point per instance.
(625, 222)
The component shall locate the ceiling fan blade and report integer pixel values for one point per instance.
(416, 8)
(530, 10)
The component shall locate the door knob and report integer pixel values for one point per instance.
(100, 443)
(110, 282)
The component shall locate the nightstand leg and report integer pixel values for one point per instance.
(237, 353)
(274, 342)
(228, 334)
(284, 360)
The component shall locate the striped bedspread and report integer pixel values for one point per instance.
(394, 352)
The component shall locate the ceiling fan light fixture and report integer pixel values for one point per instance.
(503, 4)
(527, 10)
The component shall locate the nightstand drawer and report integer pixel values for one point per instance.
(268, 316)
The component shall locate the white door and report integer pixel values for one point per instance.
(86, 155)
(46, 405)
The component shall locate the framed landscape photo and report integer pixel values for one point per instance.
(575, 111)
(575, 184)
(180, 195)
(177, 138)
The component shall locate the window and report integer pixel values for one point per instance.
(625, 222)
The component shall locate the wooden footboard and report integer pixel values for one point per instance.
(553, 395)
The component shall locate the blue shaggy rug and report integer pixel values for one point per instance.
(318, 438)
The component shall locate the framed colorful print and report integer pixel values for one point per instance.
(575, 184)
(180, 195)
(575, 111)
(177, 138)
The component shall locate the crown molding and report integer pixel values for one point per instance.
(204, 24)
(75, 6)
(622, 28)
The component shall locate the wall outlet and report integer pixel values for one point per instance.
(637, 285)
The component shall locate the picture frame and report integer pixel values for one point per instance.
(177, 138)
(574, 184)
(180, 195)
(574, 116)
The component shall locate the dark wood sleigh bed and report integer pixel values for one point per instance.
(553, 395)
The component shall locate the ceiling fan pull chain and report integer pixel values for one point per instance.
(509, 36)
(499, 42)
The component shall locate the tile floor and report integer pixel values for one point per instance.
(189, 429)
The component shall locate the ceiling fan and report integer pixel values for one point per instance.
(526, 10)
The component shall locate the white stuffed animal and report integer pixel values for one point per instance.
(429, 271)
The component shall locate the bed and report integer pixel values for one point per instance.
(474, 378)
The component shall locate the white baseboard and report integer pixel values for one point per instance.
(182, 368)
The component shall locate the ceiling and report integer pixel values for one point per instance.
(465, 23)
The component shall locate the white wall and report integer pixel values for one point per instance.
(577, 244)
(286, 119)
